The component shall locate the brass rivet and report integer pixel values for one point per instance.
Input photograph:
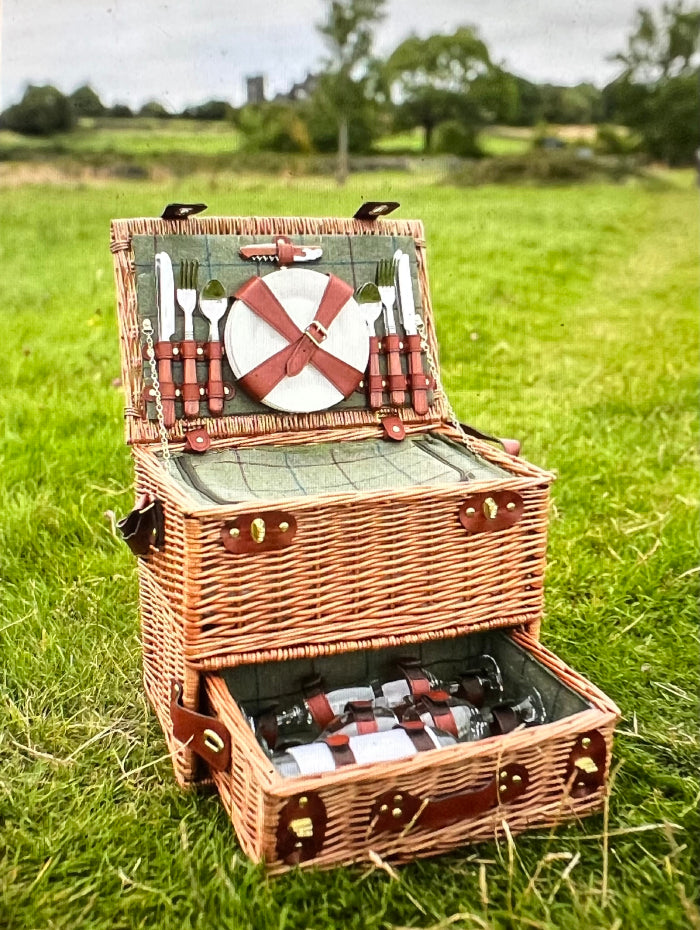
(470, 511)
(396, 812)
(227, 391)
(517, 779)
(178, 393)
(257, 530)
(201, 392)
(199, 439)
(395, 429)
(401, 345)
(398, 798)
(176, 351)
(490, 508)
(213, 741)
(200, 350)
(427, 380)
(586, 742)
(383, 383)
(503, 787)
(298, 844)
(284, 526)
(379, 346)
(384, 808)
(303, 801)
(510, 505)
(361, 384)
(234, 531)
(504, 774)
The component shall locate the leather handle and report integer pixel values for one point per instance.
(190, 389)
(416, 376)
(215, 384)
(395, 811)
(396, 378)
(374, 378)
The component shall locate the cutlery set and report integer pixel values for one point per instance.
(393, 279)
(392, 292)
(212, 302)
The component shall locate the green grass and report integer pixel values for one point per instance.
(567, 318)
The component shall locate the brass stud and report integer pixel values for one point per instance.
(504, 775)
(398, 798)
(427, 381)
(361, 384)
(470, 511)
(401, 345)
(201, 392)
(490, 508)
(517, 779)
(510, 505)
(199, 440)
(503, 788)
(178, 392)
(586, 742)
(397, 812)
(284, 526)
(200, 350)
(383, 383)
(395, 429)
(257, 530)
(176, 351)
(303, 801)
(384, 808)
(227, 390)
(235, 532)
(298, 844)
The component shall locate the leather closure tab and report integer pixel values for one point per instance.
(393, 428)
(372, 209)
(197, 440)
(205, 735)
(182, 211)
(265, 531)
(339, 745)
(491, 511)
(587, 763)
(301, 828)
(144, 529)
(399, 811)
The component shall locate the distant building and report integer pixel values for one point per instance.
(301, 91)
(255, 88)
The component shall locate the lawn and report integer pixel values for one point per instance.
(567, 317)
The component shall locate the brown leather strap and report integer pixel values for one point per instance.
(375, 382)
(339, 745)
(205, 735)
(164, 354)
(472, 690)
(415, 676)
(262, 379)
(190, 388)
(437, 704)
(335, 296)
(214, 351)
(395, 811)
(393, 428)
(320, 709)
(415, 730)
(361, 713)
(143, 528)
(504, 719)
(396, 378)
(417, 381)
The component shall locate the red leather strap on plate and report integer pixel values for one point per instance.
(266, 376)
(320, 709)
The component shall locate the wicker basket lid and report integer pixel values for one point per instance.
(350, 248)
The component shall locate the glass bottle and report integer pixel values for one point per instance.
(361, 717)
(452, 714)
(529, 711)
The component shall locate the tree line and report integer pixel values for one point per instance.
(448, 85)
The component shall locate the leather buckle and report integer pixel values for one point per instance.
(321, 331)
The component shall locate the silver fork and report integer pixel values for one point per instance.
(386, 282)
(186, 294)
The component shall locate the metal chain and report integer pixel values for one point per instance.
(452, 417)
(147, 330)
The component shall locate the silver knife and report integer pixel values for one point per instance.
(405, 290)
(165, 299)
(165, 296)
(417, 381)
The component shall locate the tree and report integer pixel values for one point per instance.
(449, 77)
(346, 85)
(657, 92)
(42, 111)
(211, 110)
(154, 109)
(85, 102)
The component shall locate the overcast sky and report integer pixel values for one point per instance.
(186, 51)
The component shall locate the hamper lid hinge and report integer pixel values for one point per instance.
(203, 734)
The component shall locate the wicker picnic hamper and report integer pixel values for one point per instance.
(274, 543)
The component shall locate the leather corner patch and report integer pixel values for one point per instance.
(585, 768)
(491, 511)
(301, 828)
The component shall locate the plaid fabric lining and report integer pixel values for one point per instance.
(232, 475)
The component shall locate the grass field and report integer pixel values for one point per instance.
(566, 317)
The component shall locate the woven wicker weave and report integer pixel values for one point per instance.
(366, 570)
